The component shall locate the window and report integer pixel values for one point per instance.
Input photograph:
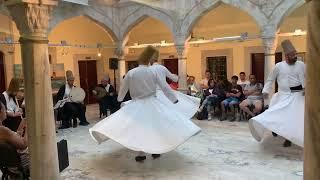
(217, 66)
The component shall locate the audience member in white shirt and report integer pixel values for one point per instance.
(243, 80)
(8, 98)
(204, 82)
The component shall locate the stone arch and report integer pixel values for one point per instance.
(139, 15)
(192, 17)
(103, 21)
(284, 10)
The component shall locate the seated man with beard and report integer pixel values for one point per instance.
(106, 96)
(70, 110)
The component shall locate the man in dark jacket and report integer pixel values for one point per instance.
(109, 100)
(70, 110)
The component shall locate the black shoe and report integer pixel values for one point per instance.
(287, 143)
(274, 134)
(223, 117)
(85, 123)
(155, 156)
(232, 119)
(140, 158)
(64, 127)
(75, 123)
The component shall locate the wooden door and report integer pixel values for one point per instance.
(88, 78)
(257, 66)
(172, 65)
(2, 74)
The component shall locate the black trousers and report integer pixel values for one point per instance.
(72, 110)
(109, 102)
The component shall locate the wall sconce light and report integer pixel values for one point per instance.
(64, 43)
(299, 32)
(99, 46)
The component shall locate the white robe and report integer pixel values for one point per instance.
(187, 105)
(146, 124)
(285, 115)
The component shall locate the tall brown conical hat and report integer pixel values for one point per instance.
(287, 47)
(69, 75)
(147, 54)
(155, 56)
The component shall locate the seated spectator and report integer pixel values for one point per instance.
(253, 92)
(18, 140)
(70, 110)
(193, 89)
(8, 98)
(213, 96)
(243, 80)
(233, 98)
(109, 101)
(204, 82)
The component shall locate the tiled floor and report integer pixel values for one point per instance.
(222, 151)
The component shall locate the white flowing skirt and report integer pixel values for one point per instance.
(285, 117)
(187, 105)
(147, 125)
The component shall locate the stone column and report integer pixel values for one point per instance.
(182, 66)
(270, 41)
(312, 109)
(32, 19)
(270, 46)
(120, 52)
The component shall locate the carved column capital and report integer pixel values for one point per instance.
(269, 36)
(182, 51)
(270, 45)
(121, 50)
(269, 30)
(32, 19)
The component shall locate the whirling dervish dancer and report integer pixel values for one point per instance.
(285, 116)
(188, 105)
(146, 125)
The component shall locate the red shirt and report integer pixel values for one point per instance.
(174, 85)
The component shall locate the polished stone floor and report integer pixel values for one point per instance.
(222, 151)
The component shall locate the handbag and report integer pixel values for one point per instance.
(63, 156)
